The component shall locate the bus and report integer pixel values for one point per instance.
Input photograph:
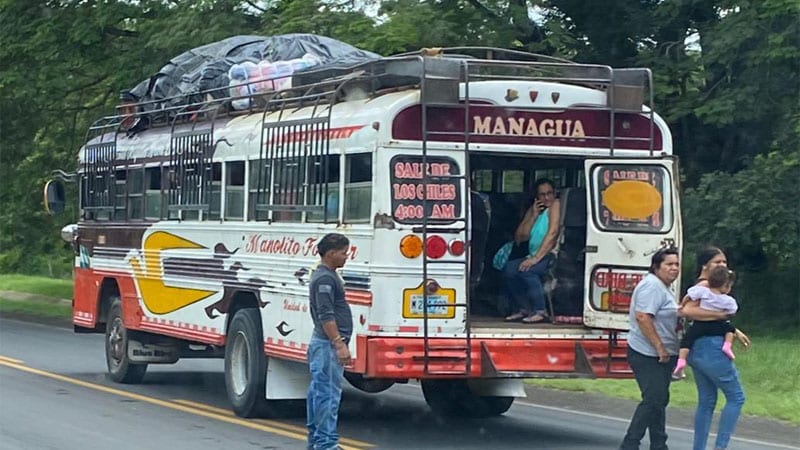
(197, 231)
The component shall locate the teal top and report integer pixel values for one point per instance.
(538, 232)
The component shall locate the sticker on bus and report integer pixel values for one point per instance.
(611, 287)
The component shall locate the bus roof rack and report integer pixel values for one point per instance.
(627, 88)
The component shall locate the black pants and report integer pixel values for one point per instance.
(653, 379)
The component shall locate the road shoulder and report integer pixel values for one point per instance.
(748, 427)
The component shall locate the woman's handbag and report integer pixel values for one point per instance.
(509, 251)
(501, 257)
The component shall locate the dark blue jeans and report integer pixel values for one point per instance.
(713, 371)
(525, 289)
(653, 379)
(324, 395)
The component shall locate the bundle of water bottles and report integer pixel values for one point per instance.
(248, 78)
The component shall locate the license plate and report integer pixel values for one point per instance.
(440, 303)
(437, 304)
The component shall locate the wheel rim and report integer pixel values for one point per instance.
(239, 363)
(116, 342)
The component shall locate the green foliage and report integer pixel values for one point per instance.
(769, 373)
(754, 215)
(48, 287)
(35, 310)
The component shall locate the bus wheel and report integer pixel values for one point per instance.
(455, 398)
(369, 385)
(246, 364)
(120, 368)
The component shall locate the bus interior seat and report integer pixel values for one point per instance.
(480, 219)
(566, 297)
(506, 211)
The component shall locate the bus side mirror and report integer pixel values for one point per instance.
(54, 197)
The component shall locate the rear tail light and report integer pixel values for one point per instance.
(456, 247)
(435, 247)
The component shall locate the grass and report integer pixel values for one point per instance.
(35, 309)
(769, 372)
(49, 287)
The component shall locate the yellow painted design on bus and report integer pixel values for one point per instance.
(632, 199)
(157, 296)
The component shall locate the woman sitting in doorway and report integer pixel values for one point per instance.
(523, 276)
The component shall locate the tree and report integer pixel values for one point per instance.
(68, 61)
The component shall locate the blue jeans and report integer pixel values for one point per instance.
(324, 395)
(653, 378)
(525, 289)
(714, 371)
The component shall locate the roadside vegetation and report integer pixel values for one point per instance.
(769, 372)
(33, 309)
(48, 287)
(32, 297)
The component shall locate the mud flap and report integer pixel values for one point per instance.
(287, 380)
(152, 353)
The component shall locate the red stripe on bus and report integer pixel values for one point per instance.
(279, 351)
(358, 297)
(200, 336)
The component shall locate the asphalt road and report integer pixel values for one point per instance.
(54, 395)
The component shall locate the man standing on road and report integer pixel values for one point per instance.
(327, 352)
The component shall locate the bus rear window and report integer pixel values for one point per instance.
(632, 198)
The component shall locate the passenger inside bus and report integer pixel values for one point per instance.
(524, 276)
(508, 183)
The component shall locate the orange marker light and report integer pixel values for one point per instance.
(411, 246)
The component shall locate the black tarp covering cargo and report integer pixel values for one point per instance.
(207, 68)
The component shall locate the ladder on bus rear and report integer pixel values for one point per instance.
(439, 88)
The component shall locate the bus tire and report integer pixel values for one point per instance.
(120, 368)
(246, 364)
(455, 398)
(368, 385)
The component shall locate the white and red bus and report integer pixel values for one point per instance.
(198, 233)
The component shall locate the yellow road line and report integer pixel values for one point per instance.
(10, 360)
(163, 403)
(274, 423)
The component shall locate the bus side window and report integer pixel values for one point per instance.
(482, 180)
(234, 190)
(557, 176)
(257, 168)
(322, 170)
(152, 194)
(358, 187)
(215, 192)
(120, 194)
(513, 181)
(287, 176)
(136, 193)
